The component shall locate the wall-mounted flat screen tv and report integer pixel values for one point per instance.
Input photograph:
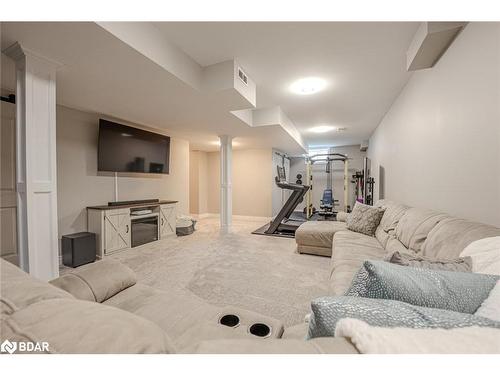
(125, 149)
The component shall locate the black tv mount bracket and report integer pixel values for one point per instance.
(9, 99)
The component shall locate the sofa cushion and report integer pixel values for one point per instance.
(415, 225)
(97, 281)
(451, 235)
(457, 291)
(298, 331)
(364, 219)
(393, 211)
(382, 236)
(6, 306)
(328, 311)
(342, 216)
(350, 250)
(392, 214)
(174, 311)
(186, 318)
(10, 331)
(74, 285)
(405, 259)
(18, 289)
(317, 234)
(393, 245)
(81, 327)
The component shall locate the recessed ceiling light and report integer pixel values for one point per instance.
(322, 129)
(327, 128)
(308, 86)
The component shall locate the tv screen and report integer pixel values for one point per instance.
(125, 149)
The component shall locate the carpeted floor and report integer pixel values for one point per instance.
(258, 273)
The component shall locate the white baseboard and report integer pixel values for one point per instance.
(251, 218)
(236, 217)
(203, 216)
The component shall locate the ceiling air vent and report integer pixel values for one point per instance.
(340, 129)
(242, 76)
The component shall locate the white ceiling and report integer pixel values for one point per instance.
(102, 74)
(364, 64)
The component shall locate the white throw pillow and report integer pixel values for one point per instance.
(490, 308)
(485, 254)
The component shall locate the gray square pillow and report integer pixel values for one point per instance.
(410, 260)
(364, 219)
(327, 311)
(458, 291)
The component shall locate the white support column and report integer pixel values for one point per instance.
(226, 196)
(36, 162)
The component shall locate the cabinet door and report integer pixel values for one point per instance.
(116, 230)
(167, 220)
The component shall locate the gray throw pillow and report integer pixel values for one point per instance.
(364, 219)
(327, 311)
(404, 259)
(458, 291)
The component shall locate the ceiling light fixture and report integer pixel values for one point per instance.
(327, 128)
(308, 86)
(322, 129)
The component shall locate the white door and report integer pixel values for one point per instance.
(116, 230)
(167, 220)
(8, 199)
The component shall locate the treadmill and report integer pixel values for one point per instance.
(282, 225)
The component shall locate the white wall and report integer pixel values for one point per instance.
(251, 182)
(194, 183)
(439, 144)
(80, 185)
(198, 182)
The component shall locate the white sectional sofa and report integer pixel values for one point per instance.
(407, 229)
(102, 309)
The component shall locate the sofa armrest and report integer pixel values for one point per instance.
(97, 281)
(342, 216)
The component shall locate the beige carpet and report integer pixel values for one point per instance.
(258, 273)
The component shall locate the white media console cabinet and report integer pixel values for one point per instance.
(125, 226)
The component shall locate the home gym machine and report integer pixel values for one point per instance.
(327, 207)
(363, 184)
(282, 225)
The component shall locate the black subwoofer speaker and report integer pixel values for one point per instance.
(78, 249)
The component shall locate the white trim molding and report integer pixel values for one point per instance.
(235, 217)
(36, 162)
